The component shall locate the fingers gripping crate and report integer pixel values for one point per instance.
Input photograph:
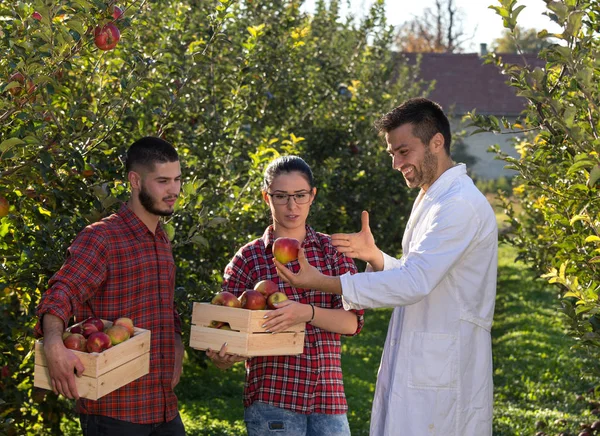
(104, 372)
(247, 337)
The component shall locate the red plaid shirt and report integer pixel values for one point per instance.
(118, 267)
(311, 382)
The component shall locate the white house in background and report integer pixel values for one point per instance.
(463, 83)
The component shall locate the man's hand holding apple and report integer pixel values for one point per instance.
(308, 277)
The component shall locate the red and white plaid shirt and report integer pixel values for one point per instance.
(311, 382)
(118, 267)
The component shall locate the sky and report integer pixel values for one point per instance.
(478, 20)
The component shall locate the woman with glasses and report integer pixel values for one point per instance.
(300, 395)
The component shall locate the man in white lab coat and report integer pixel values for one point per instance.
(436, 370)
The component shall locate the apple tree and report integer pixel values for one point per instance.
(554, 217)
(232, 84)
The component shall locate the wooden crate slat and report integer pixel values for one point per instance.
(86, 386)
(243, 320)
(245, 344)
(123, 374)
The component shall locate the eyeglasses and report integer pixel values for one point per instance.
(299, 198)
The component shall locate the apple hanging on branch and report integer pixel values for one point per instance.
(107, 37)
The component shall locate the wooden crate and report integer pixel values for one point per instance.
(104, 372)
(247, 337)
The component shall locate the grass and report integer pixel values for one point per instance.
(537, 373)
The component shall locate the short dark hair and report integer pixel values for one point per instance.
(287, 164)
(150, 150)
(426, 117)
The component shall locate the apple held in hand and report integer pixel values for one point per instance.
(127, 323)
(275, 298)
(76, 342)
(117, 334)
(266, 287)
(98, 342)
(226, 298)
(253, 300)
(285, 250)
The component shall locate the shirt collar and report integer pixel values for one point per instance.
(445, 180)
(137, 226)
(311, 237)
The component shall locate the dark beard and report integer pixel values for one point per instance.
(148, 203)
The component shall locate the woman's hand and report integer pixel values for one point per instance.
(222, 360)
(287, 314)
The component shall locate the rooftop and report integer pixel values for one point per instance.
(464, 82)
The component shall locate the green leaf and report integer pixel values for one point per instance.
(582, 164)
(594, 176)
(10, 143)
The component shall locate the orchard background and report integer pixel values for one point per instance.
(233, 84)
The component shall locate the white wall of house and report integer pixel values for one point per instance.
(487, 166)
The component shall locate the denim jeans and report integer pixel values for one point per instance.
(98, 425)
(263, 419)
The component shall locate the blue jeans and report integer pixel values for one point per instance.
(98, 425)
(263, 419)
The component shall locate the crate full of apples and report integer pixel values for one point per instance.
(113, 354)
(238, 321)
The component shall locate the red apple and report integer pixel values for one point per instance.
(127, 323)
(266, 287)
(226, 298)
(98, 342)
(5, 372)
(106, 37)
(76, 342)
(253, 300)
(36, 16)
(96, 321)
(3, 207)
(117, 334)
(18, 77)
(216, 324)
(117, 12)
(275, 298)
(285, 250)
(88, 328)
(66, 334)
(76, 329)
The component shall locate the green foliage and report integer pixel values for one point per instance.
(232, 85)
(540, 382)
(555, 224)
(519, 41)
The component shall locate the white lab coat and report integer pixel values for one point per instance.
(435, 376)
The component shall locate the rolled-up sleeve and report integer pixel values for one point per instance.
(82, 274)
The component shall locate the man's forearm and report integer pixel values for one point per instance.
(53, 326)
(330, 284)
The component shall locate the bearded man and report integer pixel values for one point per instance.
(122, 266)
